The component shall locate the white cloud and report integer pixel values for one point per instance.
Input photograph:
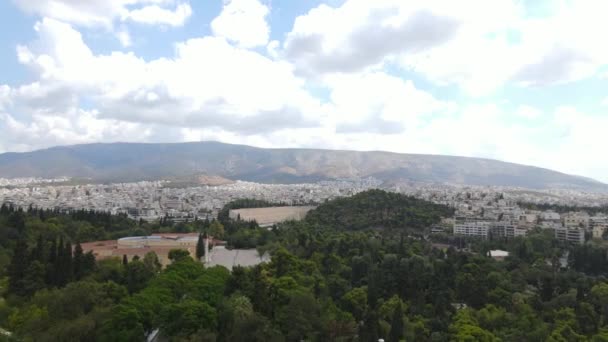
(74, 127)
(377, 102)
(156, 15)
(124, 37)
(528, 112)
(243, 22)
(91, 13)
(359, 34)
(207, 83)
(450, 43)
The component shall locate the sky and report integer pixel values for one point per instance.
(523, 81)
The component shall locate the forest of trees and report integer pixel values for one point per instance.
(325, 282)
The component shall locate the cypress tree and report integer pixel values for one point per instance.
(369, 330)
(59, 265)
(38, 253)
(78, 262)
(396, 332)
(200, 247)
(51, 275)
(125, 260)
(17, 221)
(88, 263)
(68, 270)
(17, 268)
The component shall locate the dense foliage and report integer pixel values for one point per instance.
(328, 282)
(378, 209)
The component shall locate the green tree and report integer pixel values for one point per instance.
(200, 247)
(176, 255)
(216, 229)
(187, 317)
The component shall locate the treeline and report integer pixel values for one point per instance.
(245, 234)
(48, 264)
(561, 208)
(224, 214)
(28, 226)
(378, 209)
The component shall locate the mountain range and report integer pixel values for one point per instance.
(139, 161)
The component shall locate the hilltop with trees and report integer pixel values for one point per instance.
(378, 209)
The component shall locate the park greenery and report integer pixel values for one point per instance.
(356, 269)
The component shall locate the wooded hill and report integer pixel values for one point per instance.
(378, 209)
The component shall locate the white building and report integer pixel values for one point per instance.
(576, 220)
(550, 216)
(570, 234)
(471, 227)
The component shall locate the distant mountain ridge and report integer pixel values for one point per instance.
(139, 161)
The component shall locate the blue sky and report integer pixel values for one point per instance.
(520, 81)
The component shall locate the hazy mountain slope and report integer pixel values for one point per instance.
(127, 162)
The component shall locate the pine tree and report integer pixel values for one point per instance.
(200, 247)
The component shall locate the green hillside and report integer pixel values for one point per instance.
(378, 209)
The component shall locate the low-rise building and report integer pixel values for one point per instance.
(498, 255)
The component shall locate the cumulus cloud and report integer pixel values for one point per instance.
(208, 82)
(77, 126)
(243, 22)
(378, 102)
(479, 50)
(359, 34)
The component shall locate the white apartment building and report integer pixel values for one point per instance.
(486, 228)
(471, 227)
(507, 229)
(576, 220)
(570, 234)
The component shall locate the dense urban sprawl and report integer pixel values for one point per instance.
(481, 211)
